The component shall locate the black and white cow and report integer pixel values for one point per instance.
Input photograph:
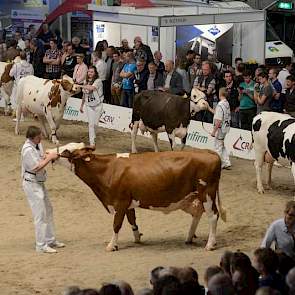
(274, 138)
(157, 111)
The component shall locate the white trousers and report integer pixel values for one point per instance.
(13, 96)
(42, 212)
(93, 114)
(222, 152)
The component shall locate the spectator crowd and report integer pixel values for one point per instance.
(127, 70)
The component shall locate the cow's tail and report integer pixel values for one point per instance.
(222, 211)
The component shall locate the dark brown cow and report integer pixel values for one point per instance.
(167, 181)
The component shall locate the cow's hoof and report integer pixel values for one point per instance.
(210, 247)
(260, 190)
(112, 248)
(188, 242)
(134, 151)
(268, 187)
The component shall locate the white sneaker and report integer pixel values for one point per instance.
(57, 244)
(46, 249)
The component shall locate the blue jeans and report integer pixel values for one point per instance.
(127, 98)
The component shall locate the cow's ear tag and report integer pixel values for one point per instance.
(87, 159)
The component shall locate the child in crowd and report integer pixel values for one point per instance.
(221, 126)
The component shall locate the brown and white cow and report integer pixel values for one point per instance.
(44, 98)
(157, 111)
(6, 85)
(167, 181)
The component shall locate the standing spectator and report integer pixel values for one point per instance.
(31, 34)
(58, 38)
(239, 71)
(277, 103)
(282, 231)
(37, 58)
(158, 62)
(46, 36)
(64, 50)
(207, 84)
(20, 42)
(248, 108)
(173, 80)
(155, 78)
(265, 95)
(28, 50)
(195, 70)
(233, 99)
(127, 74)
(141, 77)
(266, 263)
(118, 65)
(142, 51)
(109, 73)
(34, 176)
(238, 61)
(69, 62)
(93, 99)
(290, 96)
(283, 74)
(52, 59)
(80, 72)
(101, 67)
(124, 46)
(189, 59)
(11, 52)
(101, 47)
(183, 73)
(221, 127)
(18, 71)
(2, 49)
(76, 41)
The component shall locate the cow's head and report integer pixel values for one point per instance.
(68, 85)
(198, 101)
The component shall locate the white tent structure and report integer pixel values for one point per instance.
(157, 25)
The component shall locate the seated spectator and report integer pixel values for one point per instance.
(267, 291)
(290, 281)
(286, 263)
(69, 63)
(289, 105)
(142, 51)
(233, 98)
(109, 289)
(20, 42)
(127, 74)
(173, 80)
(46, 35)
(167, 285)
(158, 62)
(265, 95)
(209, 273)
(11, 53)
(195, 70)
(277, 102)
(155, 274)
(180, 69)
(124, 287)
(144, 291)
(265, 261)
(28, 50)
(220, 284)
(124, 46)
(281, 232)
(155, 78)
(225, 262)
(37, 55)
(141, 77)
(72, 290)
(248, 108)
(52, 60)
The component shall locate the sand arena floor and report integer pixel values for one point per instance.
(85, 226)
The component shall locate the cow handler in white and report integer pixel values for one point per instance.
(221, 126)
(92, 98)
(34, 177)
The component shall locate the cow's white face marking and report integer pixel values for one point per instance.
(70, 147)
(202, 182)
(123, 155)
(134, 204)
(111, 209)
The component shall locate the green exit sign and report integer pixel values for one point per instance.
(285, 5)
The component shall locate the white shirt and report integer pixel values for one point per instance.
(30, 157)
(283, 74)
(95, 97)
(21, 69)
(222, 113)
(168, 79)
(21, 44)
(101, 67)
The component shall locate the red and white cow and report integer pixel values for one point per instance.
(167, 181)
(44, 98)
(273, 139)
